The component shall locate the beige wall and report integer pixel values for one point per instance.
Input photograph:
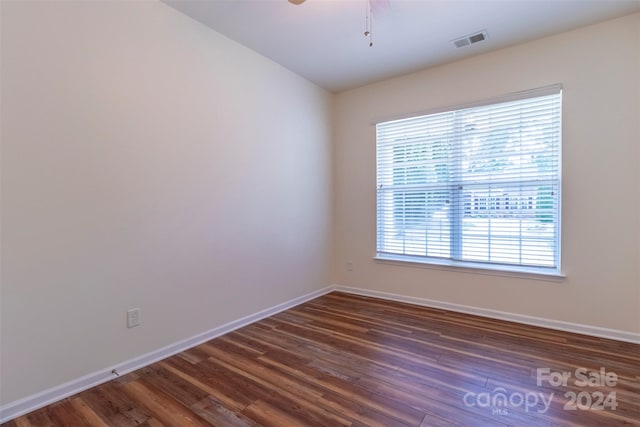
(599, 67)
(148, 162)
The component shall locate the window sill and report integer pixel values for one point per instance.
(471, 267)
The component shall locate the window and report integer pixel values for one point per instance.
(476, 187)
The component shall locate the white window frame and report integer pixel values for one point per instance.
(454, 258)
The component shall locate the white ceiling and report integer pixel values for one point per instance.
(323, 40)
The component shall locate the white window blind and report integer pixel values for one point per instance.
(477, 186)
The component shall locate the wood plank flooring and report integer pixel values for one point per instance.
(346, 360)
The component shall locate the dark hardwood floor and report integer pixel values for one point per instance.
(346, 360)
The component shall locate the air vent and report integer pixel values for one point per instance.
(470, 39)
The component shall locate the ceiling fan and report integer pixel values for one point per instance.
(375, 4)
(372, 6)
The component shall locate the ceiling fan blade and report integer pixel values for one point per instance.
(296, 1)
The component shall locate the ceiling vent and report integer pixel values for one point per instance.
(470, 39)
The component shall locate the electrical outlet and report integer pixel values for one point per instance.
(349, 265)
(133, 318)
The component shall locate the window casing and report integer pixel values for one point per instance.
(477, 186)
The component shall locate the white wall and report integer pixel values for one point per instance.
(149, 162)
(599, 67)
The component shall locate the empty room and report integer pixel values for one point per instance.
(319, 213)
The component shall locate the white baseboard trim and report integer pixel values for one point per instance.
(595, 331)
(31, 403)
